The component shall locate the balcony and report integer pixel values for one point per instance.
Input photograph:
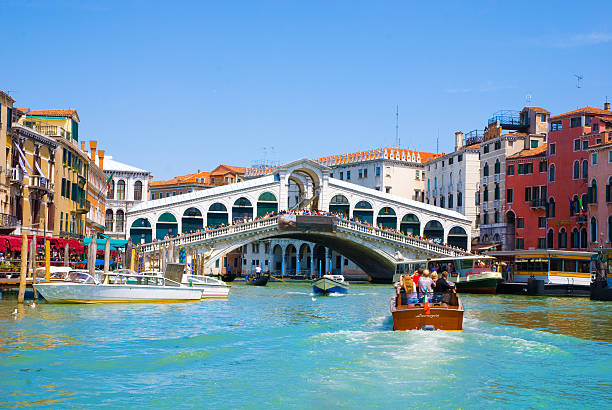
(51, 130)
(15, 175)
(40, 182)
(485, 180)
(473, 137)
(496, 178)
(83, 206)
(485, 206)
(581, 219)
(71, 235)
(8, 222)
(496, 204)
(510, 119)
(538, 203)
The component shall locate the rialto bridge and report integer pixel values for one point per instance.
(374, 249)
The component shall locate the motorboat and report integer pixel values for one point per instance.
(327, 284)
(212, 288)
(116, 287)
(56, 273)
(425, 315)
(470, 274)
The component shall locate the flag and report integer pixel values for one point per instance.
(581, 208)
(426, 304)
(108, 180)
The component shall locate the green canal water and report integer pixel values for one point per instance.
(279, 346)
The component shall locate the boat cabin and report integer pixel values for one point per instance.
(463, 266)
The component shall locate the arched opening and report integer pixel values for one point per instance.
(434, 230)
(585, 169)
(410, 224)
(486, 169)
(192, 220)
(339, 204)
(511, 229)
(216, 215)
(319, 260)
(138, 191)
(363, 212)
(550, 210)
(121, 190)
(166, 225)
(550, 244)
(583, 238)
(386, 218)
(496, 238)
(304, 260)
(562, 239)
(304, 186)
(458, 237)
(277, 259)
(108, 220)
(290, 259)
(120, 220)
(242, 209)
(551, 173)
(593, 229)
(574, 238)
(592, 192)
(266, 204)
(576, 170)
(141, 231)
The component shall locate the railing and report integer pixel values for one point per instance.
(473, 137)
(496, 204)
(485, 180)
(538, 203)
(8, 221)
(508, 117)
(83, 206)
(71, 235)
(51, 130)
(581, 219)
(266, 224)
(16, 175)
(485, 206)
(38, 181)
(496, 178)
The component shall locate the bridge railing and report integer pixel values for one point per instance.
(415, 242)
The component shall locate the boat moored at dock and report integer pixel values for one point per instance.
(330, 284)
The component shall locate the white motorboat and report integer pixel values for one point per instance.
(116, 287)
(330, 284)
(211, 288)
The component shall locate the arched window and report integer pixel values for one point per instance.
(585, 169)
(496, 216)
(138, 191)
(583, 238)
(608, 189)
(551, 208)
(121, 190)
(110, 194)
(450, 201)
(108, 220)
(576, 170)
(574, 238)
(551, 173)
(562, 239)
(497, 193)
(497, 167)
(486, 193)
(574, 205)
(486, 169)
(593, 192)
(119, 220)
(550, 239)
(610, 229)
(593, 229)
(459, 199)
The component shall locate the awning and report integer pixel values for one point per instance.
(485, 247)
(13, 242)
(101, 243)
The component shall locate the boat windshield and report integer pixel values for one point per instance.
(141, 280)
(203, 279)
(79, 277)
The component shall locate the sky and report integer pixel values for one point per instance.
(173, 87)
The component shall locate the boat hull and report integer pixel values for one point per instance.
(325, 286)
(440, 316)
(212, 292)
(485, 282)
(90, 293)
(261, 281)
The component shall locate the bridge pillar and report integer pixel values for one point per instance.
(283, 256)
(297, 264)
(341, 264)
(311, 265)
(327, 260)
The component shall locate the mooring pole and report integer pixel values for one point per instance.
(24, 267)
(47, 260)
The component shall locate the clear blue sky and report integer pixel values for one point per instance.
(176, 86)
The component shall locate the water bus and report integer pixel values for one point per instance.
(546, 272)
(116, 287)
(327, 284)
(427, 316)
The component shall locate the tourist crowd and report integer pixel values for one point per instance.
(425, 284)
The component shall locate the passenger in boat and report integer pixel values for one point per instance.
(443, 289)
(425, 285)
(417, 275)
(407, 290)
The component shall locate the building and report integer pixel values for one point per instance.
(96, 190)
(128, 186)
(7, 222)
(600, 195)
(525, 207)
(453, 179)
(179, 185)
(226, 174)
(507, 133)
(575, 201)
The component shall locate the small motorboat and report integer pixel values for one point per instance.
(211, 287)
(446, 315)
(261, 280)
(330, 284)
(116, 287)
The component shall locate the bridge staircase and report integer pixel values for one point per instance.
(305, 202)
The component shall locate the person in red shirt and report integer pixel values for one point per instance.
(417, 275)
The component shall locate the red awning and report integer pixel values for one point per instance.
(13, 243)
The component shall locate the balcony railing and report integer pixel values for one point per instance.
(51, 130)
(485, 180)
(8, 221)
(496, 178)
(40, 182)
(83, 206)
(71, 235)
(485, 206)
(16, 175)
(538, 203)
(581, 219)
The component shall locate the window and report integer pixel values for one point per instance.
(497, 167)
(486, 194)
(574, 238)
(610, 156)
(534, 143)
(459, 199)
(608, 189)
(592, 192)
(553, 149)
(585, 169)
(477, 198)
(585, 144)
(485, 218)
(450, 161)
(550, 240)
(510, 170)
(520, 243)
(520, 222)
(496, 216)
(341, 175)
(486, 149)
(541, 222)
(450, 201)
(365, 173)
(486, 169)
(562, 239)
(377, 171)
(583, 238)
(587, 121)
(575, 122)
(121, 190)
(543, 117)
(110, 194)
(576, 170)
(551, 174)
(460, 157)
(348, 175)
(497, 145)
(576, 145)
(360, 174)
(138, 191)
(442, 202)
(173, 193)
(594, 158)
(509, 195)
(497, 193)
(528, 193)
(596, 127)
(541, 243)
(593, 229)
(108, 220)
(152, 195)
(556, 126)
(119, 221)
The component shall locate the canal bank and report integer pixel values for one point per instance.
(279, 346)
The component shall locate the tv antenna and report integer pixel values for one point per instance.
(578, 79)
(397, 140)
(528, 98)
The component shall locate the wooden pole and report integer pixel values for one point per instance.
(47, 260)
(107, 251)
(24, 267)
(133, 259)
(66, 255)
(93, 250)
(33, 247)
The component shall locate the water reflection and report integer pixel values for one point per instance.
(577, 317)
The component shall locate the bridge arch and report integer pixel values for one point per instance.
(167, 224)
(266, 203)
(217, 215)
(387, 218)
(364, 212)
(411, 224)
(192, 220)
(457, 236)
(434, 230)
(242, 209)
(304, 258)
(141, 229)
(290, 257)
(276, 264)
(340, 204)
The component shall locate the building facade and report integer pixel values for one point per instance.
(180, 185)
(128, 186)
(600, 203)
(453, 179)
(7, 222)
(96, 190)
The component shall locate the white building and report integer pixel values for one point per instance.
(453, 179)
(129, 185)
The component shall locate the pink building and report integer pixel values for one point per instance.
(600, 182)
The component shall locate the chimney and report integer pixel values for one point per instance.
(83, 146)
(607, 106)
(92, 150)
(458, 140)
(101, 158)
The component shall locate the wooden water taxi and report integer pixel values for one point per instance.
(427, 316)
(330, 284)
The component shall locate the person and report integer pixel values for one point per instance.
(425, 285)
(257, 271)
(407, 291)
(417, 275)
(443, 288)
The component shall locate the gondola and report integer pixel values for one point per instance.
(257, 280)
(228, 277)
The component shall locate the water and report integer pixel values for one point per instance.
(279, 346)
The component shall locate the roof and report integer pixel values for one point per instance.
(67, 112)
(583, 110)
(111, 165)
(530, 152)
(384, 153)
(537, 109)
(6, 96)
(601, 145)
(228, 169)
(185, 179)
